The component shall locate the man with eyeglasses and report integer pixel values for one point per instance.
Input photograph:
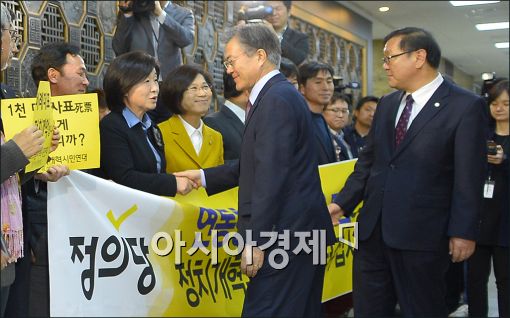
(336, 115)
(279, 184)
(420, 176)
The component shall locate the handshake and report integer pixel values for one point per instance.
(187, 181)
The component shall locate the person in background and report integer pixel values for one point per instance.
(132, 149)
(15, 155)
(160, 28)
(316, 85)
(336, 115)
(356, 133)
(492, 242)
(101, 103)
(190, 144)
(294, 43)
(290, 71)
(229, 120)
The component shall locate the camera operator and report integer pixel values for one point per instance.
(159, 28)
(294, 44)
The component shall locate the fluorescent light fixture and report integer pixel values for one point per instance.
(470, 3)
(384, 9)
(492, 26)
(501, 45)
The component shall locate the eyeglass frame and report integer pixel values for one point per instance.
(337, 111)
(388, 58)
(15, 36)
(230, 62)
(195, 89)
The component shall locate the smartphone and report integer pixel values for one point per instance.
(492, 148)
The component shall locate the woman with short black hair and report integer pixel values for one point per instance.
(132, 150)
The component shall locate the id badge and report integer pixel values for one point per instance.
(488, 189)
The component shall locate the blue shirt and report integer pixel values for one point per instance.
(146, 123)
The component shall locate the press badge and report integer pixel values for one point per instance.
(488, 189)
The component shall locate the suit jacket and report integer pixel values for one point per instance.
(429, 187)
(325, 149)
(231, 129)
(295, 45)
(127, 158)
(180, 154)
(177, 32)
(279, 185)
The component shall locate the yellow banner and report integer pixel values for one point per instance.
(77, 118)
(128, 253)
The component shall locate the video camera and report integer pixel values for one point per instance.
(341, 87)
(139, 7)
(254, 14)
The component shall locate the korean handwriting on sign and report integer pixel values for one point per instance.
(18, 110)
(222, 220)
(69, 106)
(202, 279)
(112, 248)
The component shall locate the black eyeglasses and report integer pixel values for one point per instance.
(387, 59)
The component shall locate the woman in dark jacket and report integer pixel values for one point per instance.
(492, 243)
(132, 150)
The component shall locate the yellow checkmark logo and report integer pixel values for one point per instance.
(117, 222)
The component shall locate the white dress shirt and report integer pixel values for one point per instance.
(195, 134)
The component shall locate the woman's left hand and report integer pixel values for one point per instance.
(498, 157)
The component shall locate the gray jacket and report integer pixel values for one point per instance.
(178, 31)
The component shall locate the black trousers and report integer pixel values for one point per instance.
(383, 276)
(295, 291)
(479, 269)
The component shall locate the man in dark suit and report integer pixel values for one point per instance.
(279, 185)
(294, 44)
(229, 121)
(420, 177)
(316, 84)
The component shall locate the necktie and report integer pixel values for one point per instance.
(248, 108)
(401, 129)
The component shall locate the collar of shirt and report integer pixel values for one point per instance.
(280, 34)
(132, 120)
(238, 111)
(190, 130)
(260, 84)
(420, 97)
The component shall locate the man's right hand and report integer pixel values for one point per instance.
(336, 213)
(193, 175)
(30, 140)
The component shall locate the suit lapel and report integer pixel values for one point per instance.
(149, 31)
(207, 144)
(278, 77)
(435, 104)
(181, 138)
(236, 123)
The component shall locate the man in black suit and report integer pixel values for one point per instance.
(279, 185)
(420, 176)
(294, 44)
(229, 121)
(316, 84)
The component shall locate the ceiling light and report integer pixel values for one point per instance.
(492, 26)
(384, 9)
(470, 3)
(501, 45)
